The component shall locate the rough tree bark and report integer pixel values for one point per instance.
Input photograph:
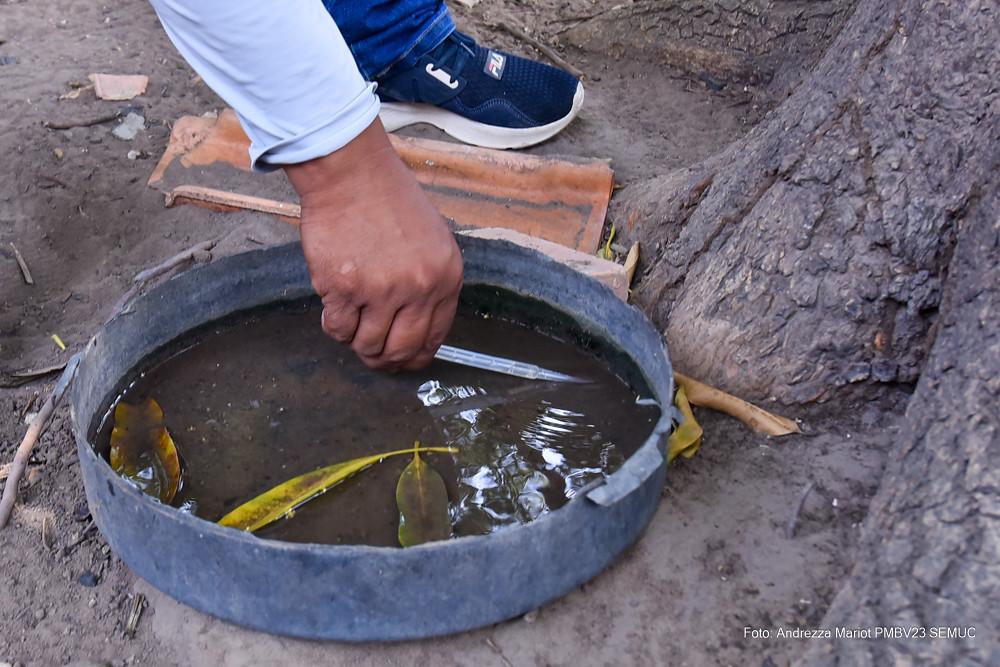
(930, 552)
(811, 254)
(852, 239)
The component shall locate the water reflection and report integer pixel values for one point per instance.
(520, 453)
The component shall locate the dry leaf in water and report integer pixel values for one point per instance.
(281, 500)
(143, 451)
(423, 503)
(686, 438)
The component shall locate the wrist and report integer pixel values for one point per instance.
(327, 179)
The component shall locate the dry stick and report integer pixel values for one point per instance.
(794, 520)
(144, 277)
(31, 437)
(25, 273)
(29, 404)
(759, 419)
(545, 49)
(176, 260)
(65, 125)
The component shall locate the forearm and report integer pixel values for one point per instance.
(283, 67)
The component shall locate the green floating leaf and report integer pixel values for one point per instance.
(284, 498)
(686, 438)
(423, 503)
(143, 451)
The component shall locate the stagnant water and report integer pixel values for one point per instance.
(266, 396)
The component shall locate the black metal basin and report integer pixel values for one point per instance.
(359, 592)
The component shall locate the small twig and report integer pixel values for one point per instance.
(87, 122)
(25, 273)
(496, 649)
(794, 520)
(53, 181)
(176, 260)
(31, 437)
(68, 549)
(143, 277)
(84, 536)
(543, 48)
(28, 406)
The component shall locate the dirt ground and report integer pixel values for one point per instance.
(715, 558)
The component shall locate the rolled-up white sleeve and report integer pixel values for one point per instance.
(282, 66)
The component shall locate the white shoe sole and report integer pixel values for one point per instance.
(395, 115)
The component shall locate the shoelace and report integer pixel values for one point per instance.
(453, 54)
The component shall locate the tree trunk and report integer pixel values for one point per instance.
(930, 552)
(811, 254)
(850, 240)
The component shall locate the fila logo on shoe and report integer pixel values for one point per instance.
(441, 76)
(495, 63)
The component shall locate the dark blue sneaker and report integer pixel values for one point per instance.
(480, 96)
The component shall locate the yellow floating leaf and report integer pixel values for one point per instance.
(284, 498)
(423, 503)
(143, 451)
(686, 438)
(59, 342)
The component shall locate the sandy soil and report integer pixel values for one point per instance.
(715, 558)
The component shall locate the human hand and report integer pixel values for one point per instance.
(381, 257)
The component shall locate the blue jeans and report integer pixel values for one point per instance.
(383, 33)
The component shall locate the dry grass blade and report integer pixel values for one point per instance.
(134, 614)
(793, 521)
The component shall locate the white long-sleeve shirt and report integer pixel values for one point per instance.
(282, 66)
